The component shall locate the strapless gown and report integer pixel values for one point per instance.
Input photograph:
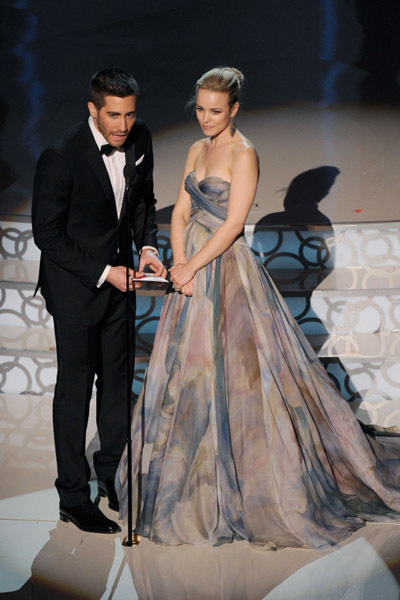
(239, 432)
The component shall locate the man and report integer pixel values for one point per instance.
(80, 212)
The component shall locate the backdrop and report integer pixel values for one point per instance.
(321, 89)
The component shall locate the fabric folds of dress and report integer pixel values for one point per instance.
(238, 432)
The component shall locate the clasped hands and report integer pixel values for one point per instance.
(117, 275)
(181, 276)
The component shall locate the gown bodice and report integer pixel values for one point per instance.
(209, 198)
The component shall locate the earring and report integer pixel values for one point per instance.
(232, 128)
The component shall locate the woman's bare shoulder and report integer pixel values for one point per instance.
(244, 151)
(197, 147)
(194, 151)
(244, 144)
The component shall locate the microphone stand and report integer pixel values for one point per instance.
(129, 174)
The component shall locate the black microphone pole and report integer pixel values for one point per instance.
(129, 173)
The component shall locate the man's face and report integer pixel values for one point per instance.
(115, 119)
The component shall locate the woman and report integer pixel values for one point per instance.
(239, 432)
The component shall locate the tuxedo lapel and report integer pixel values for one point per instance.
(94, 157)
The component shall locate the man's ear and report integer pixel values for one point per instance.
(92, 110)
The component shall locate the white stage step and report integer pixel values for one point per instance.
(372, 305)
(16, 239)
(339, 245)
(342, 283)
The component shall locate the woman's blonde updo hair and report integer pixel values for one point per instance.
(222, 79)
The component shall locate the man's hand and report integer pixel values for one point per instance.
(117, 277)
(148, 257)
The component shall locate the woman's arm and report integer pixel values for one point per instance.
(243, 189)
(181, 213)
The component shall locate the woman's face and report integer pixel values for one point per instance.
(213, 111)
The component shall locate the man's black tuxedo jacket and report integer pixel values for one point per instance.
(75, 221)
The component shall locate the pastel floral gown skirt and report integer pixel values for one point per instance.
(238, 432)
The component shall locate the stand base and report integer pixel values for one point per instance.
(135, 540)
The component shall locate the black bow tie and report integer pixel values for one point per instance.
(107, 149)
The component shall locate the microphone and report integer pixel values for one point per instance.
(129, 173)
(130, 166)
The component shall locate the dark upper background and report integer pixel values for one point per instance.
(318, 53)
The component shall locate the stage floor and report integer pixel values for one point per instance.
(43, 558)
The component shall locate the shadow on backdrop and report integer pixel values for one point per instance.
(301, 203)
(296, 247)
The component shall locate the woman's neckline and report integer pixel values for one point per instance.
(199, 181)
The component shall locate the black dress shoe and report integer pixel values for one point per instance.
(88, 517)
(106, 489)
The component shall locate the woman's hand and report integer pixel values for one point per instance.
(187, 289)
(181, 274)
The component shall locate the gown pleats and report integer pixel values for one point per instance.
(239, 432)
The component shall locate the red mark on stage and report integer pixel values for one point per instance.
(358, 210)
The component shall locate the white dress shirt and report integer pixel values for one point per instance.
(114, 164)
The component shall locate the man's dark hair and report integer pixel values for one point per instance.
(111, 82)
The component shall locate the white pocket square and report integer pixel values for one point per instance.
(139, 160)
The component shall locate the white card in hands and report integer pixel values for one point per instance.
(148, 277)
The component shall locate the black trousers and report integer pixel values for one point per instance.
(84, 352)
